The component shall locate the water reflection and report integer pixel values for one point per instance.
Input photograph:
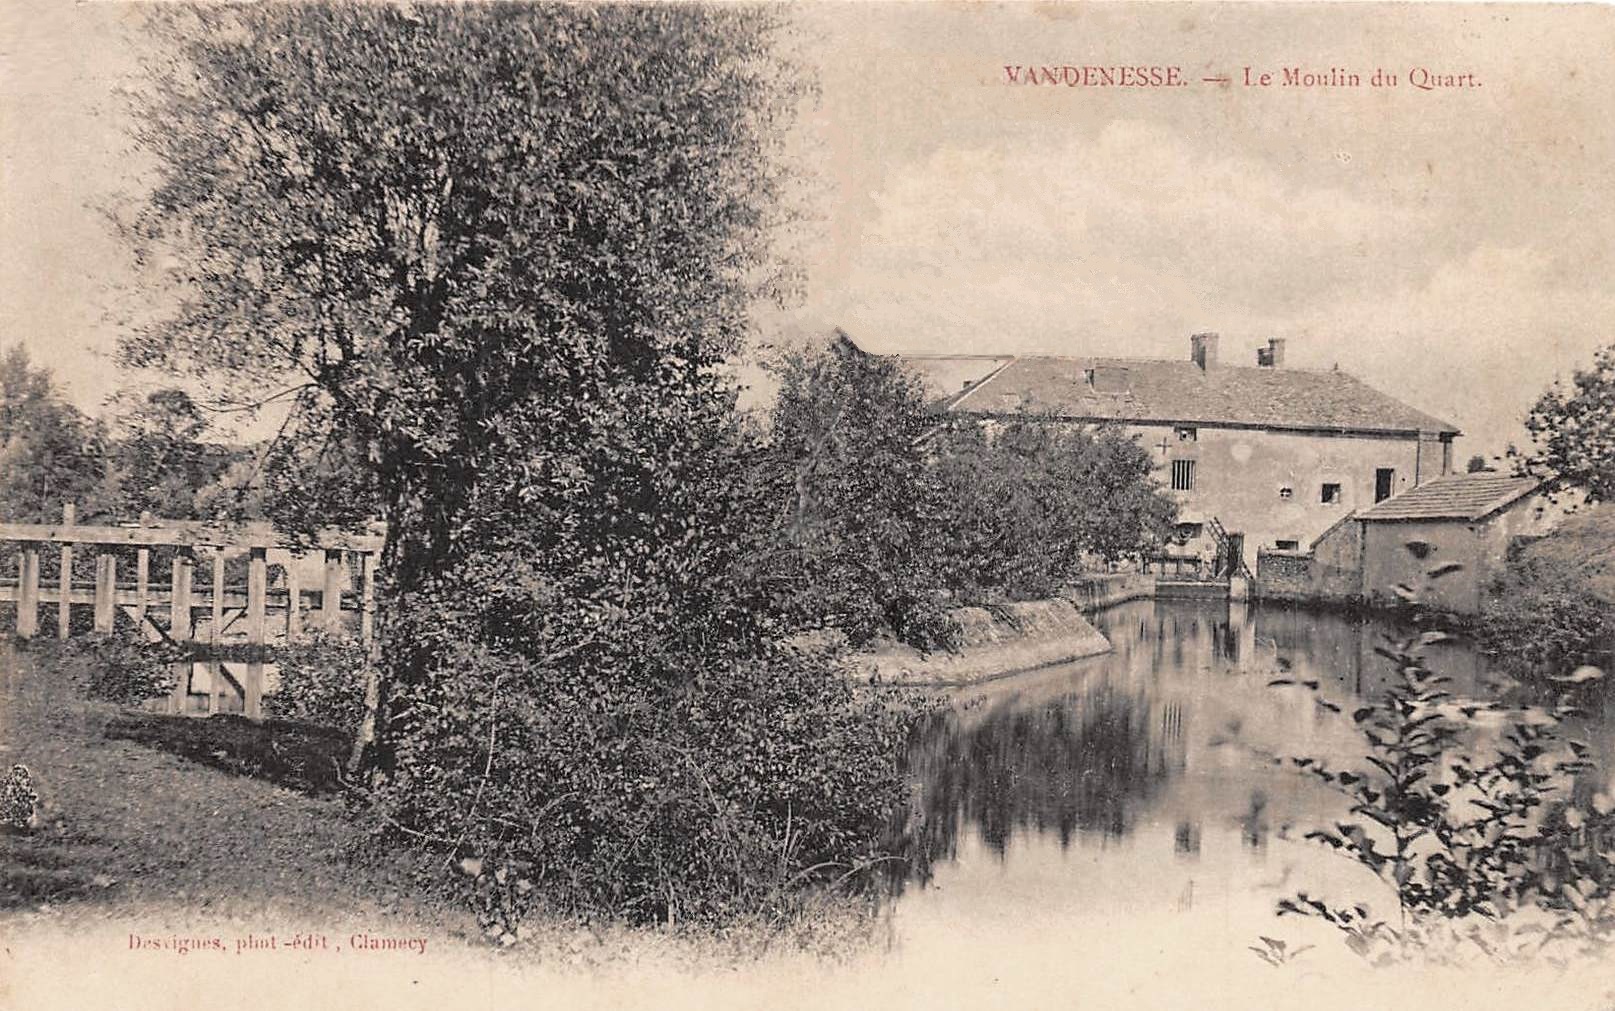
(1176, 729)
(1062, 767)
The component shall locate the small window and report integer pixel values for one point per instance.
(1287, 545)
(1331, 493)
(1183, 475)
(1286, 492)
(1187, 433)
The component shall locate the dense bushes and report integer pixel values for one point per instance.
(1543, 619)
(1553, 607)
(111, 668)
(604, 765)
(1024, 504)
(321, 682)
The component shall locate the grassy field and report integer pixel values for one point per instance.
(141, 812)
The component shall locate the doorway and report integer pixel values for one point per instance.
(1384, 480)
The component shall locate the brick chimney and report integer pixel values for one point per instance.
(1272, 356)
(1203, 349)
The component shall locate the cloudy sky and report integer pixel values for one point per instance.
(1451, 246)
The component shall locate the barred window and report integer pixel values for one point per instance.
(1183, 475)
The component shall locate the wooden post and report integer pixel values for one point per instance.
(331, 604)
(218, 594)
(367, 602)
(179, 615)
(215, 672)
(179, 702)
(64, 604)
(106, 592)
(257, 590)
(252, 691)
(294, 601)
(28, 591)
(142, 577)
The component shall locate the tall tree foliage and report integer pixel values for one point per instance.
(893, 510)
(496, 252)
(1573, 428)
(1032, 502)
(857, 505)
(50, 453)
(156, 458)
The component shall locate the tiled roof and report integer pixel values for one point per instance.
(1454, 497)
(945, 377)
(1153, 390)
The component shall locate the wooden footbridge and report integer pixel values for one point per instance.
(174, 605)
(265, 588)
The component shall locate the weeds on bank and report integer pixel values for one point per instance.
(1506, 850)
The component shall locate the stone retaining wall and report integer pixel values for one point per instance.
(1002, 640)
(1097, 592)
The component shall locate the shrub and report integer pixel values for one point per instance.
(1499, 849)
(1541, 618)
(321, 682)
(605, 782)
(113, 668)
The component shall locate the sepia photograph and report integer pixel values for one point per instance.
(807, 504)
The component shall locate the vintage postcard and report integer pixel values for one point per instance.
(808, 504)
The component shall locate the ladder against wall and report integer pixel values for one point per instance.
(192, 582)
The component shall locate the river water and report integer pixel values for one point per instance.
(1133, 799)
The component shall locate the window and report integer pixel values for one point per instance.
(1331, 493)
(1384, 480)
(1286, 492)
(1183, 475)
(1287, 545)
(1187, 433)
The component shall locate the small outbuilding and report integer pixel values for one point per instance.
(1467, 519)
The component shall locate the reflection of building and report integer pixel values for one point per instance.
(1270, 455)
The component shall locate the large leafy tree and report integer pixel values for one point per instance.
(497, 252)
(1033, 502)
(156, 458)
(887, 502)
(50, 453)
(855, 514)
(1573, 428)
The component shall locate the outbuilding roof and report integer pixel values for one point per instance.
(1155, 390)
(1454, 497)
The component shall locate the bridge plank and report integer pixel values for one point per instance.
(257, 587)
(184, 534)
(28, 592)
(106, 585)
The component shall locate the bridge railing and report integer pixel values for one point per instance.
(321, 566)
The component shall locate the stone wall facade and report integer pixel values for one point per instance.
(1270, 484)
